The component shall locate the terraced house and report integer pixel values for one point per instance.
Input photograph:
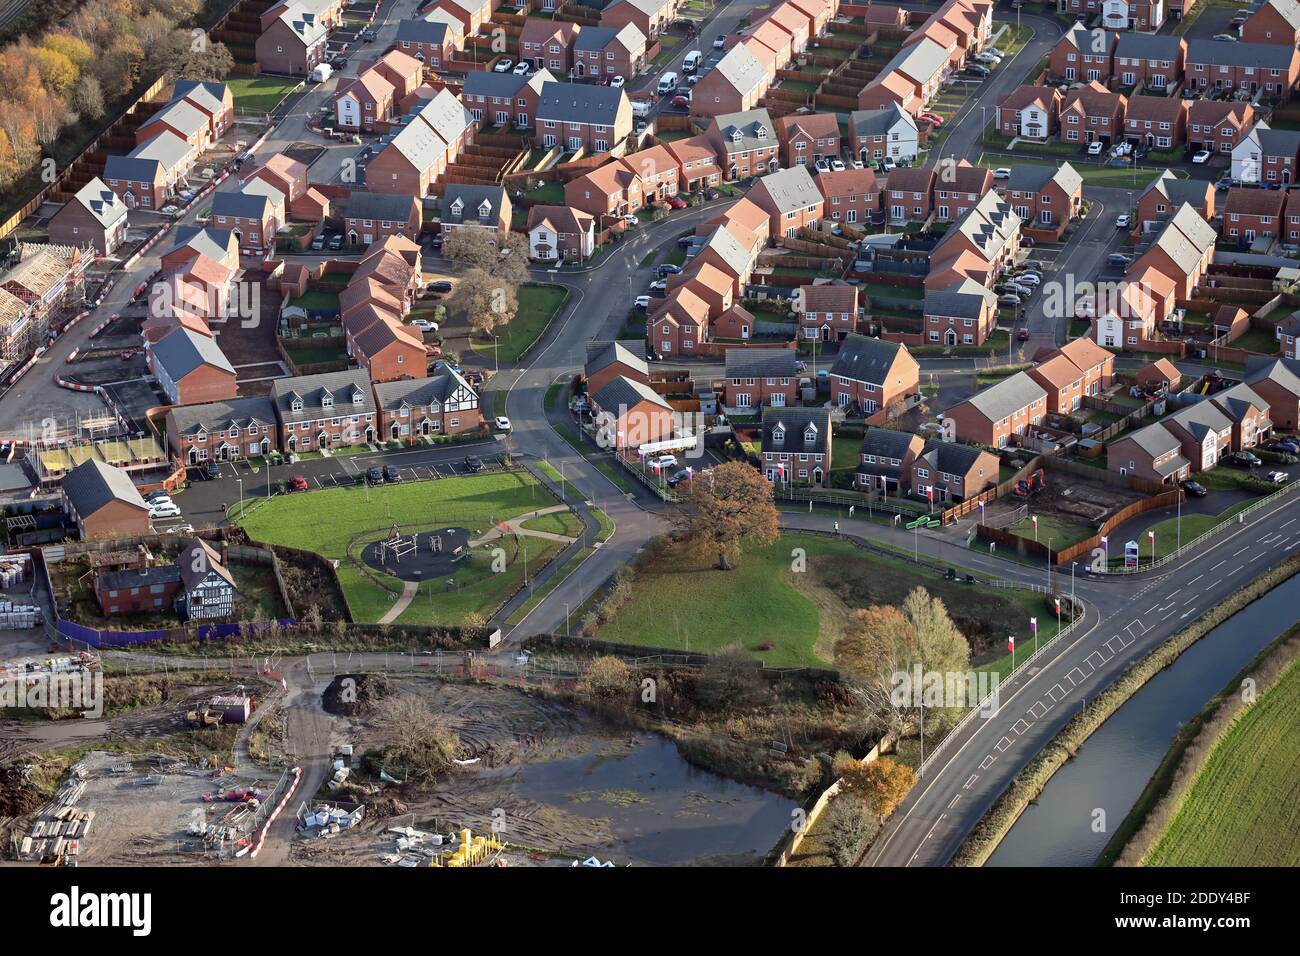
(756, 378)
(330, 410)
(796, 445)
(1155, 61)
(504, 99)
(222, 431)
(371, 217)
(1272, 68)
(442, 404)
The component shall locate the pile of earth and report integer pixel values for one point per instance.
(350, 695)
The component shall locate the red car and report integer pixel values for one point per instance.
(677, 203)
(681, 102)
(932, 118)
(298, 483)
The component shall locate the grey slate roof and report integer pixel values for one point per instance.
(138, 577)
(745, 131)
(1289, 10)
(209, 95)
(864, 359)
(601, 355)
(919, 61)
(1008, 396)
(648, 7)
(471, 198)
(1237, 401)
(741, 69)
(1179, 191)
(1283, 372)
(421, 31)
(245, 205)
(1200, 419)
(1029, 177)
(794, 422)
(418, 392)
(886, 443)
(418, 144)
(950, 457)
(93, 484)
(597, 38)
(214, 417)
(722, 241)
(385, 207)
(183, 116)
(580, 103)
(1276, 142)
(343, 386)
(181, 351)
(1155, 440)
(792, 189)
(963, 300)
(1276, 56)
(102, 203)
(484, 83)
(132, 169)
(1185, 237)
(1148, 46)
(761, 363)
(446, 115)
(624, 393)
(168, 148)
(213, 243)
(879, 122)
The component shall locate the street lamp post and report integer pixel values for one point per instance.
(1049, 565)
(496, 365)
(240, 482)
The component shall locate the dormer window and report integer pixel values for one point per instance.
(778, 435)
(326, 400)
(358, 397)
(810, 434)
(735, 136)
(761, 132)
(234, 431)
(295, 405)
(457, 207)
(484, 209)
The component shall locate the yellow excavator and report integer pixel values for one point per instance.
(203, 718)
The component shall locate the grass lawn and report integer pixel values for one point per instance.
(606, 523)
(1257, 340)
(683, 603)
(548, 194)
(1061, 529)
(892, 291)
(326, 521)
(1193, 526)
(318, 300)
(538, 305)
(844, 453)
(314, 351)
(557, 522)
(551, 583)
(1241, 809)
(259, 93)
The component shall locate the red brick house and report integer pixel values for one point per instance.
(756, 378)
(191, 368)
(791, 200)
(103, 502)
(659, 172)
(370, 217)
(1277, 381)
(958, 187)
(885, 460)
(886, 132)
(1276, 21)
(735, 85)
(182, 119)
(1217, 125)
(1156, 122)
(548, 44)
(946, 472)
(330, 410)
(1268, 67)
(1250, 215)
(1154, 60)
(680, 325)
(850, 196)
(1030, 112)
(221, 431)
(214, 99)
(609, 51)
(651, 17)
(95, 215)
(504, 99)
(1092, 113)
(697, 161)
(253, 216)
(442, 404)
(746, 143)
(363, 101)
(610, 360)
(826, 310)
(891, 89)
(1167, 192)
(909, 194)
(608, 192)
(808, 137)
(994, 415)
(434, 42)
(962, 314)
(421, 150)
(1082, 55)
(583, 116)
(629, 414)
(1046, 198)
(1152, 453)
(388, 350)
(1182, 251)
(293, 42)
(873, 375)
(796, 445)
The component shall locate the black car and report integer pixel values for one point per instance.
(711, 194)
(375, 475)
(440, 286)
(1246, 459)
(1195, 489)
(213, 470)
(391, 473)
(473, 462)
(668, 269)
(1288, 446)
(677, 477)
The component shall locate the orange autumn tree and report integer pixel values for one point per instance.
(882, 784)
(727, 510)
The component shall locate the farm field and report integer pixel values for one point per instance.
(326, 521)
(1241, 809)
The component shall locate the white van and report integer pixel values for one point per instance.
(641, 108)
(692, 61)
(667, 83)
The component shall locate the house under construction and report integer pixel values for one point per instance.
(45, 278)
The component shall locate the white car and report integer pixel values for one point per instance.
(1095, 148)
(504, 65)
(662, 462)
(837, 166)
(501, 423)
(1123, 221)
(1029, 278)
(659, 285)
(1002, 172)
(522, 68)
(1202, 157)
(164, 510)
(617, 82)
(643, 302)
(424, 325)
(1083, 309)
(720, 43)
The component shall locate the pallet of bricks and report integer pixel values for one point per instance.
(59, 827)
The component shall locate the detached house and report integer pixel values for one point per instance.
(760, 377)
(629, 414)
(95, 215)
(746, 143)
(608, 193)
(363, 101)
(480, 207)
(1030, 112)
(796, 445)
(581, 116)
(1093, 113)
(651, 17)
(1152, 453)
(827, 310)
(250, 214)
(607, 361)
(1046, 198)
(330, 410)
(560, 233)
(293, 42)
(873, 375)
(790, 198)
(103, 502)
(889, 131)
(1000, 412)
(1277, 381)
(1203, 432)
(548, 44)
(432, 42)
(191, 368)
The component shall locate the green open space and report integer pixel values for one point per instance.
(557, 522)
(538, 306)
(550, 584)
(259, 93)
(1061, 530)
(326, 521)
(1173, 530)
(793, 617)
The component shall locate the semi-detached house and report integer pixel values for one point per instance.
(1000, 412)
(94, 215)
(790, 198)
(442, 404)
(581, 116)
(889, 131)
(796, 445)
(222, 431)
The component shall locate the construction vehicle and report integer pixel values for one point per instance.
(204, 718)
(1026, 487)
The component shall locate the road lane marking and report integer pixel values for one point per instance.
(973, 778)
(1246, 548)
(954, 801)
(987, 762)
(1220, 564)
(1195, 579)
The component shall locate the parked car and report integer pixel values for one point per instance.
(1195, 489)
(318, 243)
(642, 302)
(976, 69)
(1030, 278)
(212, 470)
(682, 102)
(391, 473)
(160, 495)
(441, 286)
(719, 42)
(837, 166)
(1224, 38)
(504, 65)
(375, 475)
(1123, 221)
(711, 194)
(501, 423)
(1009, 299)
(164, 510)
(659, 285)
(1223, 184)
(1246, 459)
(1002, 172)
(1290, 446)
(822, 166)
(336, 242)
(1119, 259)
(888, 163)
(1202, 157)
(1278, 477)
(1095, 148)
(474, 463)
(662, 463)
(1022, 334)
(522, 68)
(297, 483)
(1034, 265)
(424, 325)
(676, 202)
(617, 82)
(668, 269)
(677, 477)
